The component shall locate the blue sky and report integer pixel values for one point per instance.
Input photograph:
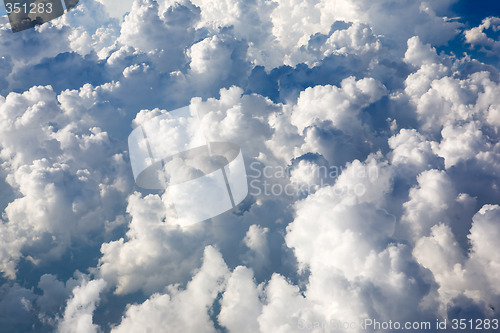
(473, 12)
(369, 133)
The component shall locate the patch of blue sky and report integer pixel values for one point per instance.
(471, 14)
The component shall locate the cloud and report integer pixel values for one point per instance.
(181, 310)
(18, 311)
(117, 8)
(78, 313)
(256, 240)
(412, 152)
(47, 157)
(240, 303)
(456, 274)
(385, 133)
(133, 264)
(341, 106)
(477, 36)
(428, 202)
(329, 118)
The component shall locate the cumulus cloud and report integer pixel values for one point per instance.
(117, 8)
(18, 311)
(477, 36)
(370, 142)
(133, 263)
(78, 313)
(185, 310)
(240, 304)
(460, 275)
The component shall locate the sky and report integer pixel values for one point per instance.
(369, 132)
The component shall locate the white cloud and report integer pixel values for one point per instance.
(256, 240)
(411, 151)
(181, 310)
(166, 31)
(483, 235)
(117, 8)
(419, 54)
(477, 36)
(134, 263)
(217, 58)
(55, 293)
(413, 132)
(334, 218)
(428, 202)
(341, 106)
(78, 313)
(460, 143)
(283, 308)
(240, 303)
(472, 276)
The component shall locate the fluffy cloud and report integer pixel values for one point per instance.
(78, 313)
(371, 147)
(477, 36)
(18, 311)
(48, 158)
(117, 8)
(240, 304)
(181, 310)
(133, 264)
(411, 151)
(472, 276)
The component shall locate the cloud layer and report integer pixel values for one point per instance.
(370, 133)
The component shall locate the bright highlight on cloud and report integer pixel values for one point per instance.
(370, 134)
